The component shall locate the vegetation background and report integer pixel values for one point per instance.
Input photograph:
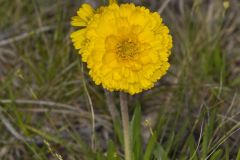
(46, 94)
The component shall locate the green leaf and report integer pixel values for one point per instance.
(192, 147)
(100, 156)
(238, 155)
(207, 134)
(111, 151)
(227, 152)
(170, 141)
(46, 136)
(150, 147)
(136, 133)
(179, 135)
(216, 155)
(118, 130)
(235, 82)
(160, 153)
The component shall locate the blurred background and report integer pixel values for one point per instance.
(46, 94)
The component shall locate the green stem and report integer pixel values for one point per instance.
(125, 123)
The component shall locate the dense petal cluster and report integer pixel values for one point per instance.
(126, 47)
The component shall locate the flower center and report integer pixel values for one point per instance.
(126, 49)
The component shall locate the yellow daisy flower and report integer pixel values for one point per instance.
(126, 47)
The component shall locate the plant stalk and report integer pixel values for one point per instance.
(125, 123)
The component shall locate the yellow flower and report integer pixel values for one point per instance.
(126, 47)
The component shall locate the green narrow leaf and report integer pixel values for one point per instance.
(136, 134)
(100, 156)
(216, 155)
(33, 150)
(34, 69)
(179, 135)
(160, 153)
(46, 136)
(205, 141)
(192, 148)
(161, 123)
(208, 131)
(170, 141)
(111, 151)
(74, 134)
(227, 152)
(118, 130)
(150, 146)
(238, 155)
(235, 82)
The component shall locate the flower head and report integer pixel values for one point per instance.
(126, 47)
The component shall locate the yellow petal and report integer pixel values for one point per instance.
(77, 21)
(78, 38)
(108, 57)
(85, 13)
(117, 76)
(110, 43)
